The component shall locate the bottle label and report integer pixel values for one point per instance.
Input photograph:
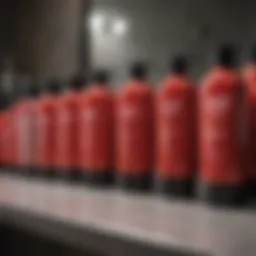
(220, 134)
(174, 157)
(134, 140)
(24, 137)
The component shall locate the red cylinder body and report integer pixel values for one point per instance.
(67, 135)
(46, 130)
(8, 139)
(175, 135)
(220, 119)
(13, 130)
(23, 134)
(134, 134)
(33, 146)
(4, 116)
(97, 134)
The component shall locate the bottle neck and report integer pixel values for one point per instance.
(77, 88)
(139, 80)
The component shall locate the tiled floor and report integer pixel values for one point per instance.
(145, 217)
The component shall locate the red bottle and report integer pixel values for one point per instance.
(175, 132)
(11, 136)
(98, 131)
(22, 132)
(220, 107)
(9, 141)
(46, 130)
(249, 79)
(6, 123)
(69, 124)
(134, 131)
(4, 143)
(2, 126)
(32, 114)
(11, 127)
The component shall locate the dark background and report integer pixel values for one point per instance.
(51, 37)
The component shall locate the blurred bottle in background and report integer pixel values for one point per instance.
(134, 130)
(221, 154)
(16, 122)
(98, 130)
(35, 94)
(23, 126)
(175, 131)
(47, 129)
(7, 77)
(69, 129)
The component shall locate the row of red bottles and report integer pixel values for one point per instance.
(138, 136)
(84, 126)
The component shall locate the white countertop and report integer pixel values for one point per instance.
(146, 218)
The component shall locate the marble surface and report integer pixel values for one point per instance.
(146, 218)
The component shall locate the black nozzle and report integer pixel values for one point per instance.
(5, 99)
(34, 90)
(139, 71)
(101, 77)
(78, 82)
(226, 55)
(54, 87)
(179, 65)
(253, 53)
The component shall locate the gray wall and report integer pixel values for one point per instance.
(160, 28)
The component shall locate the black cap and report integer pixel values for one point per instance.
(139, 70)
(54, 87)
(34, 90)
(253, 53)
(179, 65)
(226, 55)
(5, 100)
(78, 82)
(22, 87)
(101, 77)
